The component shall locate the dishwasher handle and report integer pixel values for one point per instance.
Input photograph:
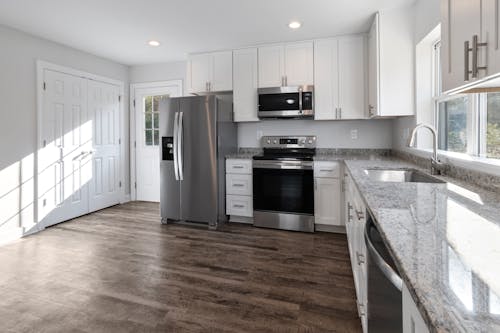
(386, 269)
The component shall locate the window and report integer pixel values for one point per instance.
(466, 123)
(152, 120)
(492, 135)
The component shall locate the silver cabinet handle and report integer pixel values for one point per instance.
(180, 152)
(370, 110)
(360, 257)
(475, 49)
(467, 49)
(361, 309)
(349, 208)
(176, 145)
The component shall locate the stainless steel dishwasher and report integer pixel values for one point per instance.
(384, 285)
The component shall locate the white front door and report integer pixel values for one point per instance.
(104, 188)
(64, 156)
(147, 153)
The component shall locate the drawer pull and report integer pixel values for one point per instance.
(360, 257)
(238, 206)
(238, 185)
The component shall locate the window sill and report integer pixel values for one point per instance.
(479, 164)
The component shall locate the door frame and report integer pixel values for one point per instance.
(41, 66)
(134, 87)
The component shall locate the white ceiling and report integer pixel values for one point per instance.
(119, 29)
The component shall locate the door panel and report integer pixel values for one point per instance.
(271, 66)
(148, 102)
(352, 77)
(299, 64)
(104, 111)
(199, 185)
(62, 159)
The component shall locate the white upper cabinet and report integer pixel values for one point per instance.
(299, 64)
(222, 71)
(466, 23)
(286, 65)
(199, 72)
(271, 66)
(340, 78)
(245, 83)
(391, 64)
(210, 72)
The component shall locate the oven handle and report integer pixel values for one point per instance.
(283, 165)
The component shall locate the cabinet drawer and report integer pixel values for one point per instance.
(239, 184)
(326, 169)
(239, 166)
(239, 205)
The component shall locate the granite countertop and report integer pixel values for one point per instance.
(445, 240)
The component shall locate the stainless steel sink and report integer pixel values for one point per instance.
(401, 176)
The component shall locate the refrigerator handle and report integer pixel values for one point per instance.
(180, 148)
(176, 160)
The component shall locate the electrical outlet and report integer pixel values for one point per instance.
(354, 134)
(406, 133)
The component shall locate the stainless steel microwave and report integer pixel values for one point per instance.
(286, 102)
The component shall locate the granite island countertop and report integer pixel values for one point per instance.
(445, 241)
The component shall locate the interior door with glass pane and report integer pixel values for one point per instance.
(147, 134)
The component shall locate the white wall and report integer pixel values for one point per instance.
(331, 134)
(427, 17)
(159, 72)
(18, 56)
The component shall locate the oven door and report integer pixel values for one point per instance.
(283, 187)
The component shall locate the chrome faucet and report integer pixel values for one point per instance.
(436, 166)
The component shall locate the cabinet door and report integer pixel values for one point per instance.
(222, 71)
(373, 68)
(491, 35)
(299, 66)
(271, 66)
(199, 72)
(245, 83)
(412, 320)
(352, 77)
(326, 78)
(327, 201)
(461, 19)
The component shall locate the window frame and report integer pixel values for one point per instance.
(476, 111)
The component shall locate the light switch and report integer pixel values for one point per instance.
(354, 134)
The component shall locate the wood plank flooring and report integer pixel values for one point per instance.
(120, 270)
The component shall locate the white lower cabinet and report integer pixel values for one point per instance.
(412, 320)
(239, 189)
(327, 194)
(239, 205)
(355, 219)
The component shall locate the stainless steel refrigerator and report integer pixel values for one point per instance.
(197, 132)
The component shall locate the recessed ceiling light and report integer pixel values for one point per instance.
(294, 25)
(154, 43)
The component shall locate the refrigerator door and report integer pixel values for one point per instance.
(170, 204)
(198, 159)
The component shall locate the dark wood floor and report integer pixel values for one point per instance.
(120, 270)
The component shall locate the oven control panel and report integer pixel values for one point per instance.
(288, 142)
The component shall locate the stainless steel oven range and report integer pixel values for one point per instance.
(283, 183)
